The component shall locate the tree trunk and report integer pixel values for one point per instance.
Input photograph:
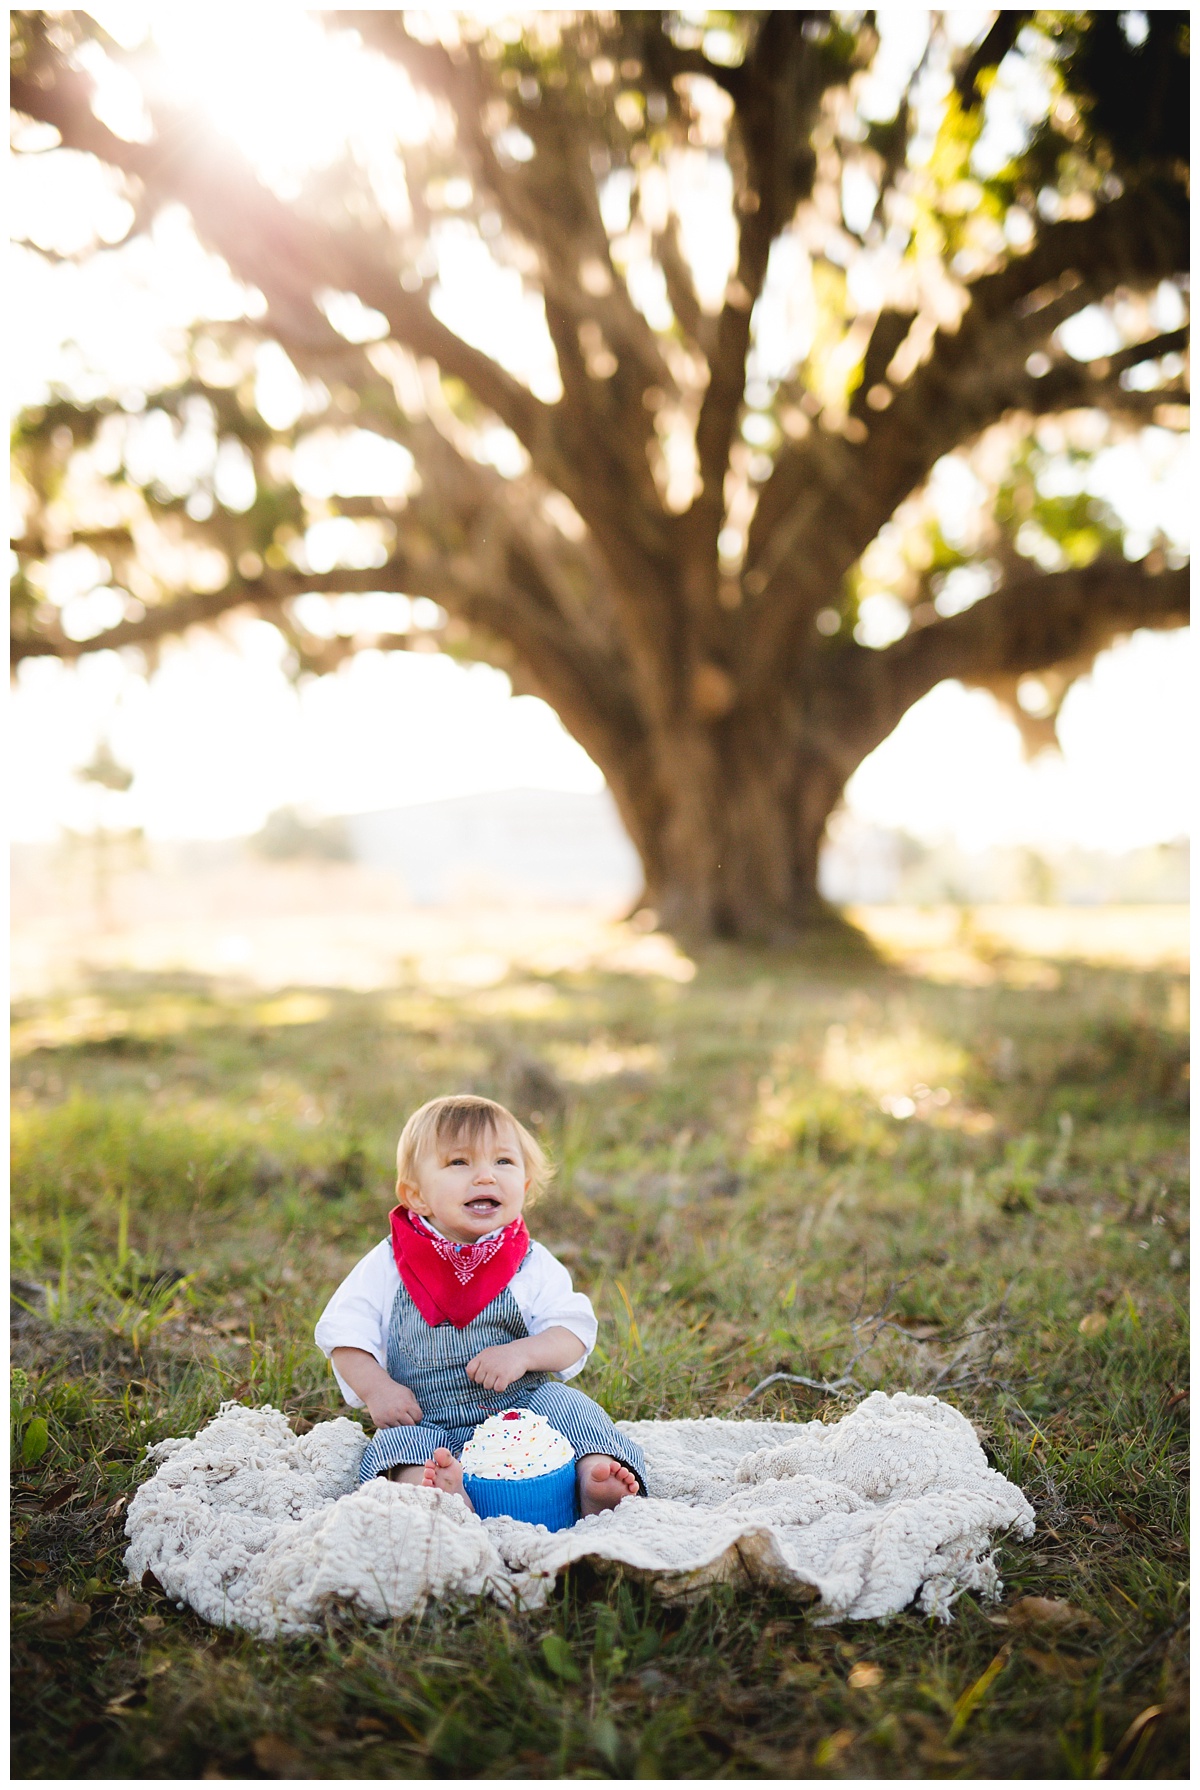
(729, 824)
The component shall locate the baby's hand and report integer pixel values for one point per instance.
(393, 1405)
(496, 1369)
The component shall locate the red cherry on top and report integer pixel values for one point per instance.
(511, 1416)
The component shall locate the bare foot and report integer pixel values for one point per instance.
(445, 1474)
(603, 1483)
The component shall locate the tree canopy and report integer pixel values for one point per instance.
(781, 265)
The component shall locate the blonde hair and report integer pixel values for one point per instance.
(465, 1118)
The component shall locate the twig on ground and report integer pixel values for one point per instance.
(881, 1322)
(834, 1386)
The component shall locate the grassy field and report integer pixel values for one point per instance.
(753, 1164)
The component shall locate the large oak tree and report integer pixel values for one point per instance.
(671, 544)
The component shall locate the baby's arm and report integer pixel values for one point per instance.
(389, 1403)
(497, 1368)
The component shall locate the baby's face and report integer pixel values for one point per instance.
(467, 1190)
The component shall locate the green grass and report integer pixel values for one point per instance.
(751, 1165)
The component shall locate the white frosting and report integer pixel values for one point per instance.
(516, 1444)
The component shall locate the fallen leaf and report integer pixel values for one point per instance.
(801, 1672)
(830, 1750)
(1136, 1729)
(1049, 1612)
(1094, 1324)
(865, 1676)
(67, 1619)
(933, 1753)
(152, 1624)
(274, 1754)
(68, 1490)
(35, 1442)
(370, 1724)
(126, 1703)
(1177, 1398)
(920, 1329)
(1060, 1665)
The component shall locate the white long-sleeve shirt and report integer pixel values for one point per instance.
(358, 1315)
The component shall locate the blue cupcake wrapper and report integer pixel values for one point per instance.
(548, 1499)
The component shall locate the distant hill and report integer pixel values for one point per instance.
(555, 848)
(516, 844)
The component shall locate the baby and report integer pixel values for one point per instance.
(459, 1314)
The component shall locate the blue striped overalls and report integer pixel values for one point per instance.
(431, 1361)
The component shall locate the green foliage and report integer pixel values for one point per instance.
(1044, 503)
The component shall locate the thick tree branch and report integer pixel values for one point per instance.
(999, 39)
(164, 621)
(286, 257)
(783, 82)
(838, 495)
(1028, 625)
(551, 203)
(978, 371)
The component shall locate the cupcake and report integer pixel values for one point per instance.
(518, 1465)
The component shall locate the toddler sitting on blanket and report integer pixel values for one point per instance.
(459, 1314)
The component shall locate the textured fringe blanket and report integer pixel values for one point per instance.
(256, 1527)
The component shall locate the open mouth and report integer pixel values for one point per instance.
(484, 1207)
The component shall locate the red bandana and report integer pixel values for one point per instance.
(451, 1283)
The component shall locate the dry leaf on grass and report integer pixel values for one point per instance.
(919, 1329)
(127, 1702)
(64, 1494)
(803, 1672)
(1135, 1730)
(1059, 1665)
(1049, 1612)
(67, 1618)
(274, 1754)
(865, 1676)
(934, 1753)
(1094, 1324)
(830, 1750)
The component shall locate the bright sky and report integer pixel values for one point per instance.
(217, 738)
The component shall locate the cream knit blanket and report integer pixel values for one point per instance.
(256, 1527)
